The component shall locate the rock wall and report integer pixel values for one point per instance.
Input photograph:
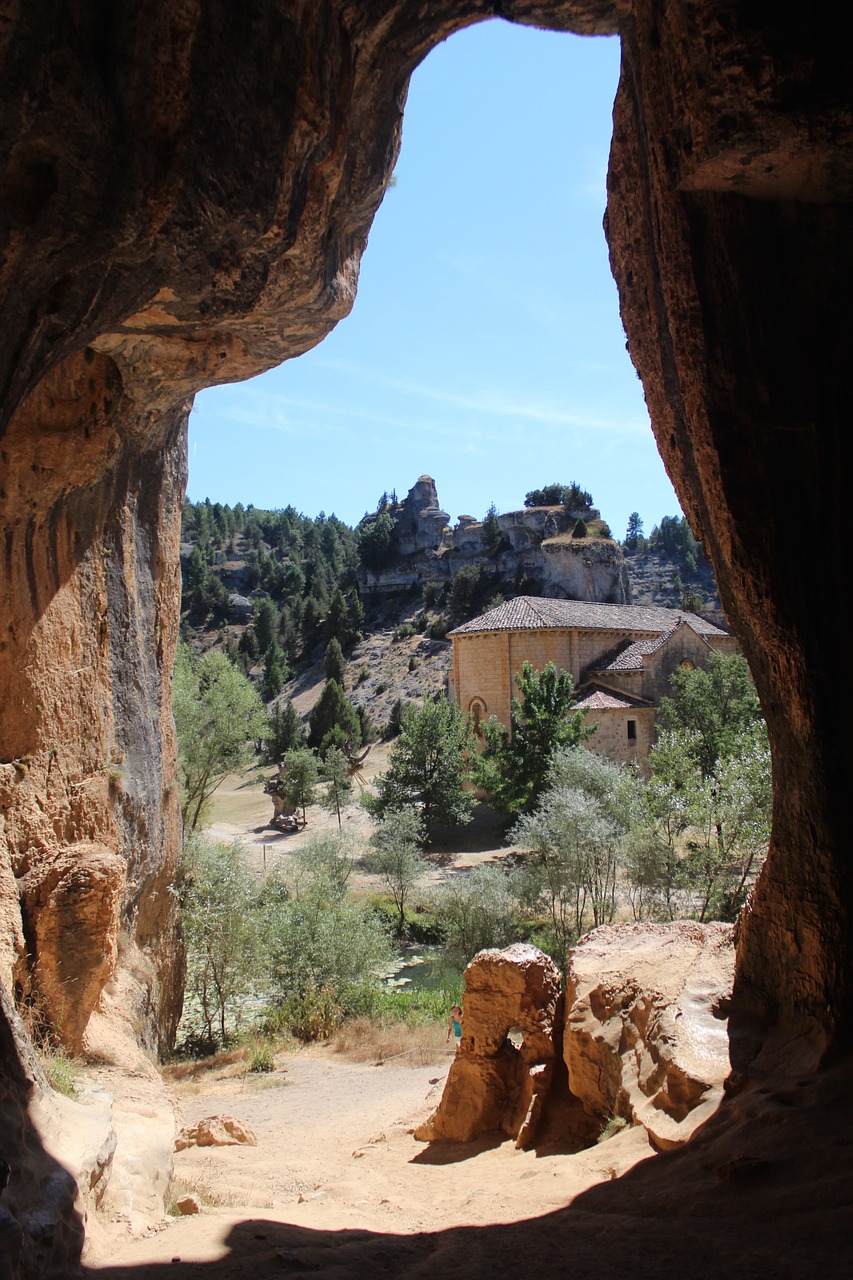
(185, 193)
(729, 221)
(646, 1036)
(529, 544)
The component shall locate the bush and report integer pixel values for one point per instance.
(60, 1070)
(477, 910)
(309, 1015)
(261, 1060)
(439, 628)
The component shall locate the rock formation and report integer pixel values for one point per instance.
(41, 1223)
(532, 543)
(186, 192)
(495, 1083)
(646, 1035)
(216, 1131)
(642, 1031)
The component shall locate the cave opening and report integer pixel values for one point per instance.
(158, 149)
(484, 347)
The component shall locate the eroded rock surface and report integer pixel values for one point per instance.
(41, 1225)
(497, 1082)
(216, 1131)
(185, 194)
(646, 1033)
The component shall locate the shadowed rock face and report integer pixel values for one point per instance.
(185, 192)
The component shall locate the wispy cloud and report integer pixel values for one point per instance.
(495, 403)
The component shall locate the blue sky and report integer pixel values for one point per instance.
(484, 347)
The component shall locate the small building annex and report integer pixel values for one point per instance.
(620, 657)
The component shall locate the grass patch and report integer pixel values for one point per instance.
(61, 1071)
(369, 1040)
(261, 1060)
(413, 1006)
(611, 1127)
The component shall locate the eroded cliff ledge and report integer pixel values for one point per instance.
(185, 193)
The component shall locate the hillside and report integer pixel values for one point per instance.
(272, 588)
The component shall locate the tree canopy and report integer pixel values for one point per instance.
(514, 766)
(428, 766)
(571, 496)
(333, 719)
(718, 703)
(218, 718)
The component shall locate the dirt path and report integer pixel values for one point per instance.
(241, 811)
(335, 1153)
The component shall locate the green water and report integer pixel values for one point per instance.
(424, 969)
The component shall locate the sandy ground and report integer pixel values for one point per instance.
(241, 811)
(342, 1190)
(335, 1150)
(335, 1153)
(338, 1188)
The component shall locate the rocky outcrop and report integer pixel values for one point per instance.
(419, 522)
(186, 194)
(504, 1065)
(646, 1026)
(643, 1031)
(534, 543)
(41, 1223)
(583, 570)
(71, 914)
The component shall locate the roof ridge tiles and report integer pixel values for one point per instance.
(532, 612)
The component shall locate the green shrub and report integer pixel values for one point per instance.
(60, 1070)
(261, 1060)
(611, 1127)
(309, 1015)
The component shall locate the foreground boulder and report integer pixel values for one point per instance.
(498, 1083)
(646, 1035)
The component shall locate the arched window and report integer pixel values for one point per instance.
(477, 711)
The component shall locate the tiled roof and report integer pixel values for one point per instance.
(631, 657)
(595, 697)
(535, 613)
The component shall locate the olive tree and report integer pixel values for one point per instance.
(218, 719)
(396, 859)
(218, 910)
(575, 839)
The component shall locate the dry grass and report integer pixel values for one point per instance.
(365, 1040)
(227, 1062)
(208, 1195)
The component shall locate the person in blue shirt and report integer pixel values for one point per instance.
(454, 1027)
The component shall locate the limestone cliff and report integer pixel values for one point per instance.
(533, 545)
(186, 191)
